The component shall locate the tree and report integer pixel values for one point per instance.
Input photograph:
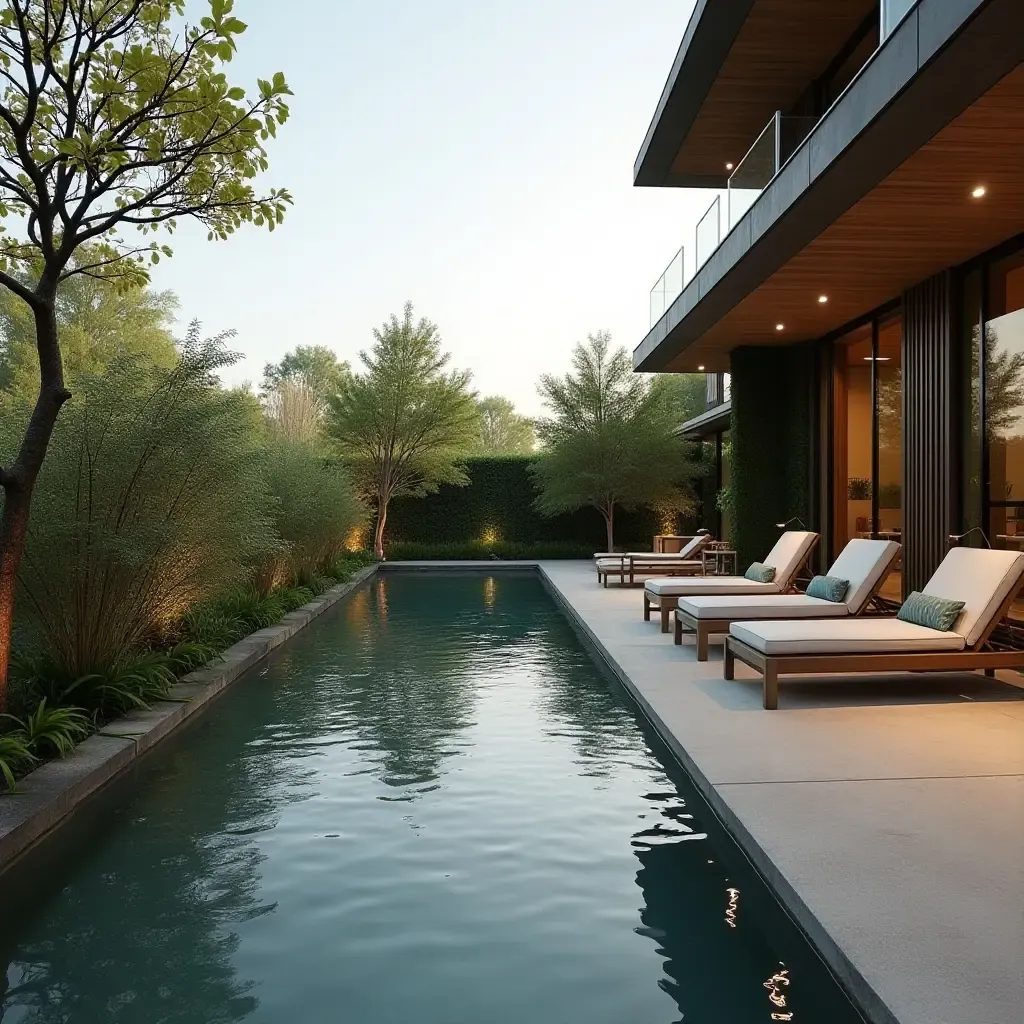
(114, 116)
(97, 323)
(689, 393)
(502, 430)
(611, 440)
(405, 423)
(315, 366)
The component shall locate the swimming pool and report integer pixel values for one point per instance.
(431, 805)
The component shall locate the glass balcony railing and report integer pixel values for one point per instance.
(777, 142)
(709, 233)
(668, 288)
(893, 12)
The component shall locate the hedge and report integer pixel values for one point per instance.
(497, 507)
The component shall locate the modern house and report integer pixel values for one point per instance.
(856, 288)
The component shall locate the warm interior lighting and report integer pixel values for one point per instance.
(728, 167)
(877, 359)
(701, 367)
(780, 327)
(978, 192)
(823, 299)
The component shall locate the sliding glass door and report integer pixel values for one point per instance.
(867, 456)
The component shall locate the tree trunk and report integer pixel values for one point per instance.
(378, 537)
(19, 480)
(609, 525)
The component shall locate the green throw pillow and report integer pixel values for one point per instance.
(933, 612)
(828, 588)
(760, 573)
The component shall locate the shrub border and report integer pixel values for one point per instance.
(47, 795)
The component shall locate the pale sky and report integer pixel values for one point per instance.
(474, 157)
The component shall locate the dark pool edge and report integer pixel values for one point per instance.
(47, 796)
(864, 997)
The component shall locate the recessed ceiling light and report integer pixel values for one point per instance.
(728, 167)
(823, 299)
(978, 192)
(701, 367)
(779, 327)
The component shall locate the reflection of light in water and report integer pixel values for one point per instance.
(776, 985)
(382, 601)
(357, 608)
(490, 591)
(730, 911)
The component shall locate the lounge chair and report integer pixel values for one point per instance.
(986, 580)
(864, 563)
(633, 563)
(790, 553)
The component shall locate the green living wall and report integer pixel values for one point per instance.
(772, 409)
(498, 504)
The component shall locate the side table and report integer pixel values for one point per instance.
(716, 561)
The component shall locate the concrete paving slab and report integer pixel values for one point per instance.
(888, 811)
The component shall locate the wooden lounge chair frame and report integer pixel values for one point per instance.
(669, 602)
(771, 666)
(704, 628)
(636, 562)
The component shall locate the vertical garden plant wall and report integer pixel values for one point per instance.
(771, 443)
(498, 506)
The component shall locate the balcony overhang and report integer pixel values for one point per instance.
(877, 198)
(739, 61)
(710, 422)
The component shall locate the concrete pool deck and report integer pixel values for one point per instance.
(888, 812)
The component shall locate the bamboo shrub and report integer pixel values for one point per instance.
(153, 498)
(315, 510)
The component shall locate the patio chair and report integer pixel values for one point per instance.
(633, 563)
(789, 555)
(864, 564)
(986, 580)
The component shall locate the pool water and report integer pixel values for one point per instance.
(430, 806)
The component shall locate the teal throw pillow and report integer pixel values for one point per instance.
(760, 573)
(828, 588)
(933, 612)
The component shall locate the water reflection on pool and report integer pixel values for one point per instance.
(429, 806)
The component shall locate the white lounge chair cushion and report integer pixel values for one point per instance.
(980, 577)
(778, 606)
(667, 586)
(790, 552)
(843, 636)
(862, 562)
(692, 547)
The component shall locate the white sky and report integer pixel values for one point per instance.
(473, 157)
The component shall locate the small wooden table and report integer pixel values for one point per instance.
(718, 558)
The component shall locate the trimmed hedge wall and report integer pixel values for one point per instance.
(771, 427)
(500, 498)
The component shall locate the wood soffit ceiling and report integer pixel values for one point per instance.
(783, 46)
(918, 221)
